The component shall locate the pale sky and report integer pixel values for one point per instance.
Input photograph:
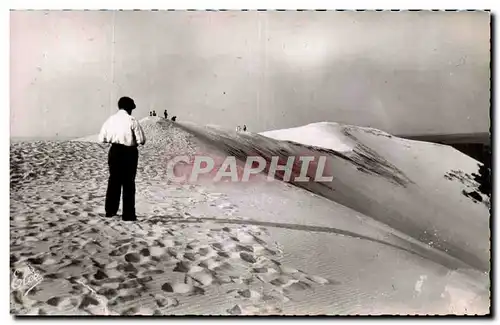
(403, 72)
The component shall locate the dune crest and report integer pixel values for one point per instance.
(324, 134)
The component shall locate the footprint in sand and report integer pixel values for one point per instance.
(109, 293)
(120, 251)
(228, 208)
(64, 303)
(165, 302)
(182, 288)
(129, 284)
(295, 285)
(247, 257)
(254, 310)
(88, 301)
(247, 294)
(128, 268)
(133, 258)
(203, 277)
(236, 310)
(121, 268)
(319, 280)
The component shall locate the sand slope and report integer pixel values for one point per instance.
(324, 135)
(402, 183)
(226, 248)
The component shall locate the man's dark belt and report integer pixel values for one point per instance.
(119, 145)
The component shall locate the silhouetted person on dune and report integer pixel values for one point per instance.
(154, 113)
(165, 114)
(150, 113)
(124, 133)
(244, 128)
(174, 118)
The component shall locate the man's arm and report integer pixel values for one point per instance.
(103, 135)
(138, 132)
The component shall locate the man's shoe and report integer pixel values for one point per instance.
(134, 218)
(109, 215)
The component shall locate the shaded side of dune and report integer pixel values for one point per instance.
(403, 215)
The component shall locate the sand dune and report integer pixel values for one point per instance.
(399, 182)
(324, 135)
(248, 248)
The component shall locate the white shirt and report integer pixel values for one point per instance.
(122, 128)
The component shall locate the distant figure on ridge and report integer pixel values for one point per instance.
(244, 128)
(154, 113)
(150, 113)
(174, 118)
(165, 114)
(124, 133)
(238, 128)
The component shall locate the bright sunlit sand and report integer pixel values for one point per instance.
(390, 234)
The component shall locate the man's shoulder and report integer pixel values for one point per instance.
(114, 116)
(135, 122)
(133, 119)
(109, 119)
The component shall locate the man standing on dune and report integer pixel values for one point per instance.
(124, 133)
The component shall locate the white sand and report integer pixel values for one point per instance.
(325, 135)
(244, 248)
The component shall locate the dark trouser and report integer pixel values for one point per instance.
(122, 162)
